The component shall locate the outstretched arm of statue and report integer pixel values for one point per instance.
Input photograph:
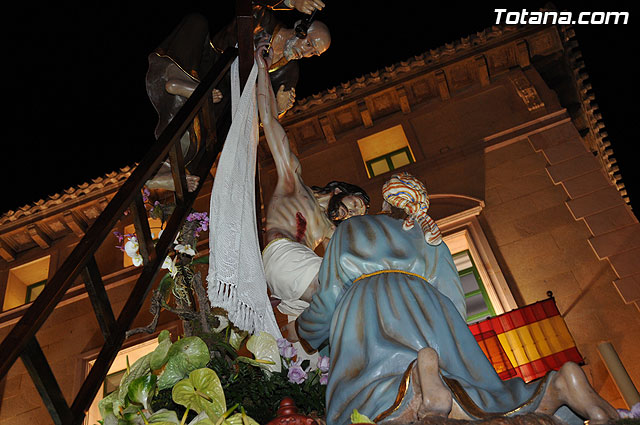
(179, 84)
(186, 88)
(305, 6)
(287, 164)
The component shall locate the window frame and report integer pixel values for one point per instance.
(490, 311)
(465, 228)
(30, 288)
(387, 157)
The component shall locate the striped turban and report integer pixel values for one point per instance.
(406, 192)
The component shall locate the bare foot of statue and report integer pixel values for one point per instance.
(164, 180)
(570, 387)
(436, 398)
(430, 396)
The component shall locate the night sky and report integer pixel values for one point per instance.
(75, 76)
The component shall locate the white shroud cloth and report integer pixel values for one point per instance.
(236, 280)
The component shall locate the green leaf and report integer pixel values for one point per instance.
(131, 416)
(163, 336)
(159, 356)
(164, 417)
(184, 356)
(265, 347)
(201, 260)
(223, 419)
(236, 419)
(165, 285)
(141, 389)
(236, 338)
(194, 349)
(106, 409)
(359, 418)
(202, 390)
(138, 369)
(201, 419)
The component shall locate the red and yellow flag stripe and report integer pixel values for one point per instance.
(527, 342)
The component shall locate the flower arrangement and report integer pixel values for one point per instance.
(191, 381)
(184, 383)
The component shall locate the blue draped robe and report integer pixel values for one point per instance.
(384, 295)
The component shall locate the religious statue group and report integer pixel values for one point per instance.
(385, 299)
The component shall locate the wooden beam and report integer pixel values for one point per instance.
(483, 70)
(403, 99)
(39, 236)
(522, 50)
(143, 232)
(244, 21)
(77, 226)
(99, 298)
(327, 129)
(45, 382)
(365, 114)
(6, 252)
(443, 86)
(178, 173)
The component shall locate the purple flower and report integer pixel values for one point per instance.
(289, 352)
(286, 348)
(120, 237)
(635, 410)
(282, 343)
(324, 378)
(634, 413)
(323, 364)
(296, 374)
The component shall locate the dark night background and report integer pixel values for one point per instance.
(74, 76)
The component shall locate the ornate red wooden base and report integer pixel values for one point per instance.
(288, 415)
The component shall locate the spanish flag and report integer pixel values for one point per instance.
(527, 342)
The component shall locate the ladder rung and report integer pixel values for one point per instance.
(178, 172)
(43, 378)
(99, 298)
(143, 232)
(208, 125)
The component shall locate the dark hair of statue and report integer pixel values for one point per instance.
(343, 187)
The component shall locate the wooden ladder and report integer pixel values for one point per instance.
(22, 342)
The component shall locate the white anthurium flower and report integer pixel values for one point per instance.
(265, 349)
(185, 249)
(224, 322)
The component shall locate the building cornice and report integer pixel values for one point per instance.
(41, 224)
(69, 197)
(596, 137)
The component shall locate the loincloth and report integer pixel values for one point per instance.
(289, 268)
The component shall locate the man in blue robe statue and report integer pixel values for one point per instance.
(391, 306)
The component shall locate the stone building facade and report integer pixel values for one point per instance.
(502, 128)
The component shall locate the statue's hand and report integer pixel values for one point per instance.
(216, 95)
(285, 99)
(263, 55)
(306, 6)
